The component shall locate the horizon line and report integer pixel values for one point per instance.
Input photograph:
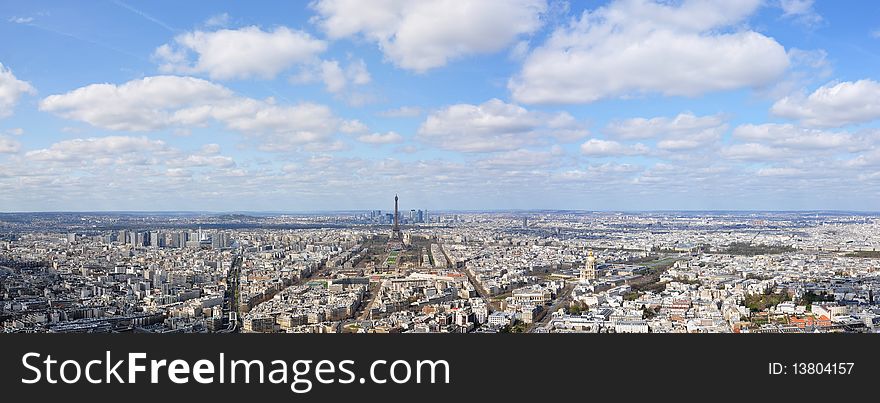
(439, 210)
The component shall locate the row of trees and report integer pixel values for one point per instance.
(749, 249)
(874, 254)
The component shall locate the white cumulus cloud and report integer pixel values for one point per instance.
(11, 90)
(752, 152)
(609, 148)
(791, 136)
(160, 102)
(833, 105)
(96, 147)
(336, 79)
(238, 53)
(634, 47)
(424, 34)
(495, 126)
(137, 105)
(685, 131)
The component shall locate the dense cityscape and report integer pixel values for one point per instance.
(621, 166)
(442, 272)
(226, 200)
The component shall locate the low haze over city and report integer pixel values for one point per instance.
(508, 166)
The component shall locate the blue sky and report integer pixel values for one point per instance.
(338, 104)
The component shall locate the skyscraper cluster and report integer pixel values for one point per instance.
(167, 239)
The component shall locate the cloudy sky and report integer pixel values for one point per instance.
(454, 104)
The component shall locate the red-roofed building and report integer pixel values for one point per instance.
(809, 321)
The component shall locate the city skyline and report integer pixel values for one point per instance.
(552, 272)
(519, 105)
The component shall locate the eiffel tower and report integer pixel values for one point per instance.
(395, 239)
(395, 230)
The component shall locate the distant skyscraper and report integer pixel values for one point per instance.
(525, 223)
(218, 240)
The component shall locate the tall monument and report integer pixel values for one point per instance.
(396, 225)
(395, 230)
